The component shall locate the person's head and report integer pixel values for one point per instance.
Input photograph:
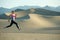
(12, 12)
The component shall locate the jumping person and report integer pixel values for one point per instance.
(13, 17)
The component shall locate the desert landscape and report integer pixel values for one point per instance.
(35, 24)
(33, 27)
(37, 19)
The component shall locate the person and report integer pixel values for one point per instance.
(13, 17)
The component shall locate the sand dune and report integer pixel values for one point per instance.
(39, 20)
(31, 28)
(36, 21)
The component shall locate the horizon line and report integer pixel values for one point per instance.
(29, 5)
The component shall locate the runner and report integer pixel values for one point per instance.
(13, 17)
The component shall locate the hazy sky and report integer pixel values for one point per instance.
(14, 3)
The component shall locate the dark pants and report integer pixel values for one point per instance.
(13, 22)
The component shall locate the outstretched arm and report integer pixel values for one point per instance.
(15, 16)
(9, 18)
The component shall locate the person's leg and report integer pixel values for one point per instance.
(10, 24)
(16, 24)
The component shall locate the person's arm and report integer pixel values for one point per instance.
(15, 16)
(9, 18)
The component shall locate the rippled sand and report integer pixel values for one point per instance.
(28, 36)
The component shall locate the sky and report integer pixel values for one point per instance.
(15, 3)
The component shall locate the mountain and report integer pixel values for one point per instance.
(19, 10)
(25, 13)
(24, 7)
(42, 11)
(49, 8)
(57, 9)
(3, 16)
(4, 10)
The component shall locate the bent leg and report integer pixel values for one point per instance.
(16, 25)
(9, 25)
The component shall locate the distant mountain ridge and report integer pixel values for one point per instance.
(57, 9)
(46, 12)
(39, 11)
(4, 10)
(24, 7)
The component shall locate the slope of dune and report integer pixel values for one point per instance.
(34, 23)
(39, 20)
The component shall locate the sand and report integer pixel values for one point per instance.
(28, 36)
(32, 29)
